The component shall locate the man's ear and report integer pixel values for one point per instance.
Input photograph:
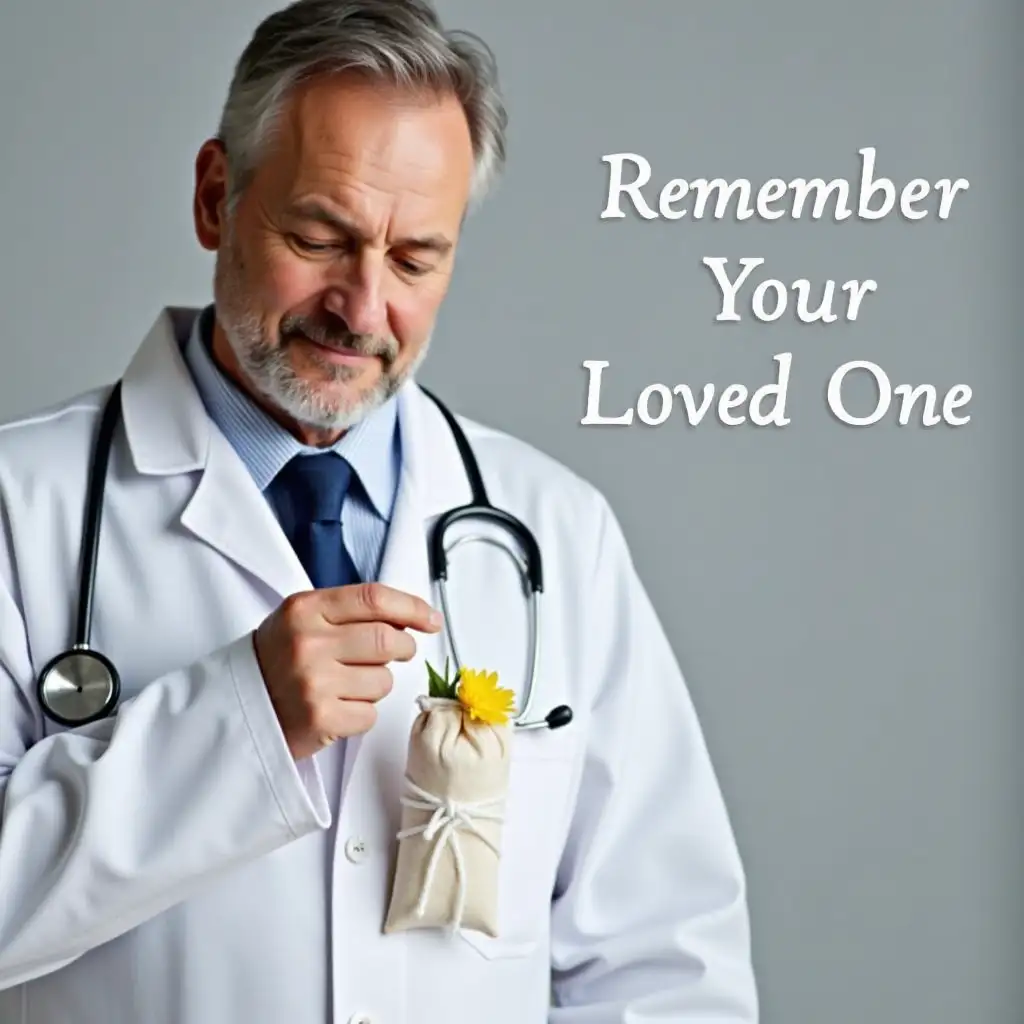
(209, 204)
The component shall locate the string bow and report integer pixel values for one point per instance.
(449, 817)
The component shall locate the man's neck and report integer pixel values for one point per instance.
(224, 357)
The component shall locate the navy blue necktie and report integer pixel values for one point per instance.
(308, 494)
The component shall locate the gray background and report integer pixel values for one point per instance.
(845, 603)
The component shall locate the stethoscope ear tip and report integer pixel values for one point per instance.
(554, 719)
(557, 717)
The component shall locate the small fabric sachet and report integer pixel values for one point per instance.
(456, 781)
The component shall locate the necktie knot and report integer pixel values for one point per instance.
(316, 486)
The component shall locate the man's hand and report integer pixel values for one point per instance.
(324, 656)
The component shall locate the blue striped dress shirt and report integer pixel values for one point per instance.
(372, 448)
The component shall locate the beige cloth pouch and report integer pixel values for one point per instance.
(457, 772)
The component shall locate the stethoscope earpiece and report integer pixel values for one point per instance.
(556, 718)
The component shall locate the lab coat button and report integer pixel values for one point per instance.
(355, 850)
(359, 1018)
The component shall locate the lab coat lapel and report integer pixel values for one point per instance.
(228, 512)
(169, 432)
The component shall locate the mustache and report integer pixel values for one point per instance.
(337, 335)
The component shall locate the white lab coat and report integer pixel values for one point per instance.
(173, 865)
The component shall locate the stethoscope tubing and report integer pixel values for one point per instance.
(479, 508)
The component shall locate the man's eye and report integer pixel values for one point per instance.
(307, 246)
(411, 267)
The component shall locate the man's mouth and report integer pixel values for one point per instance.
(341, 354)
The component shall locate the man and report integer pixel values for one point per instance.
(221, 847)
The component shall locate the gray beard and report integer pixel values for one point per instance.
(264, 361)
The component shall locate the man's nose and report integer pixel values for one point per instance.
(357, 297)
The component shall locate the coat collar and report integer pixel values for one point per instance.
(169, 431)
(164, 419)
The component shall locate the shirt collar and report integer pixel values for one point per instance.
(265, 446)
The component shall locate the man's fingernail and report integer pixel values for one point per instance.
(436, 618)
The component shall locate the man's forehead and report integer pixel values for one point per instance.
(361, 132)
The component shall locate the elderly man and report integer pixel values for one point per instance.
(215, 839)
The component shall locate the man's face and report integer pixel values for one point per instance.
(331, 271)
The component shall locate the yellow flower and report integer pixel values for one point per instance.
(480, 695)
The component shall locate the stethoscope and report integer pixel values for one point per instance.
(81, 685)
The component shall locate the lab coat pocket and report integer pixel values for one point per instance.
(541, 781)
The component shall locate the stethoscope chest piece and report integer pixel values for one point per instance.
(79, 686)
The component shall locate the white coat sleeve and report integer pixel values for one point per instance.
(107, 825)
(650, 920)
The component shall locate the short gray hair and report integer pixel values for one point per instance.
(400, 41)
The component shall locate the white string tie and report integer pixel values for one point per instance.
(443, 827)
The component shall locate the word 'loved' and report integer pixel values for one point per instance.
(766, 406)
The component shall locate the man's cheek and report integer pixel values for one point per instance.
(291, 284)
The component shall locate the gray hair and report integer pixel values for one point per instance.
(400, 41)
